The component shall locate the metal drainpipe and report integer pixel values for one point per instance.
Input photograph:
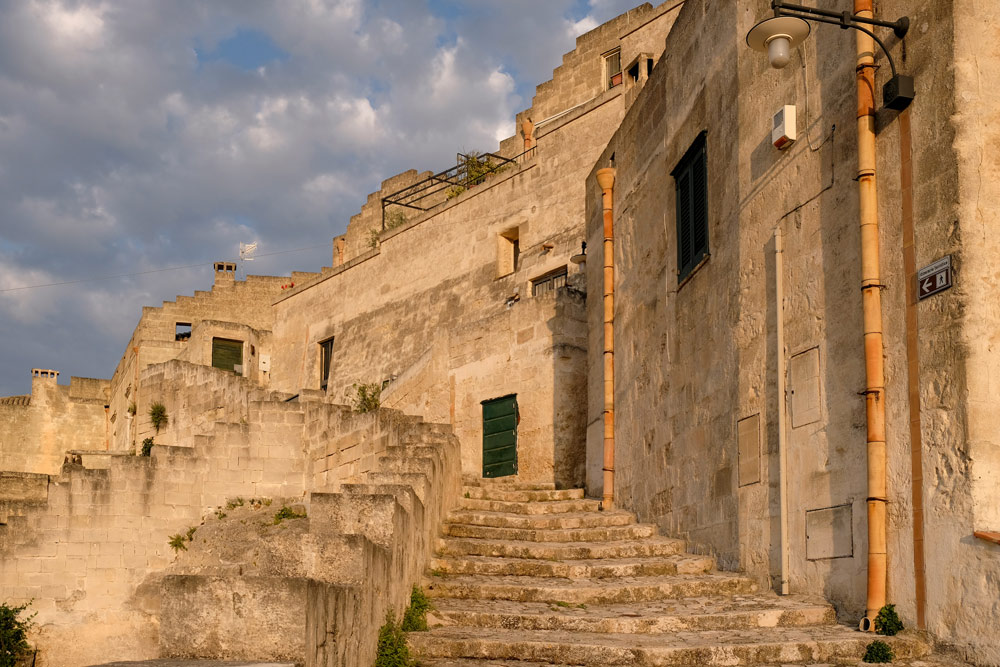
(871, 285)
(606, 179)
(779, 297)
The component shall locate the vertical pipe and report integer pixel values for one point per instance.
(779, 297)
(912, 366)
(606, 179)
(872, 304)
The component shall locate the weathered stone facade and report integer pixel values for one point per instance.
(696, 359)
(487, 294)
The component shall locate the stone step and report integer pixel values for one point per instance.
(655, 546)
(610, 534)
(521, 496)
(419, 464)
(587, 591)
(786, 645)
(738, 612)
(549, 522)
(530, 509)
(574, 569)
(509, 483)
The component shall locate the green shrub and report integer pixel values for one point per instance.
(887, 622)
(190, 533)
(177, 543)
(415, 616)
(147, 446)
(14, 634)
(878, 651)
(234, 503)
(287, 513)
(158, 416)
(364, 397)
(392, 650)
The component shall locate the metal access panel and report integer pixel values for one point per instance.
(227, 354)
(500, 436)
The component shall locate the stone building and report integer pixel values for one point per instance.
(697, 361)
(474, 301)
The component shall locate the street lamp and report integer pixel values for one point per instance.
(788, 28)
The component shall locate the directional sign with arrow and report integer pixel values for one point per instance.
(934, 278)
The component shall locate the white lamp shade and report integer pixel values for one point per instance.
(777, 36)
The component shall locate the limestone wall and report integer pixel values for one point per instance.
(696, 362)
(36, 430)
(211, 312)
(441, 273)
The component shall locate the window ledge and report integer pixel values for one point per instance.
(695, 270)
(989, 536)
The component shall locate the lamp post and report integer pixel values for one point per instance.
(776, 36)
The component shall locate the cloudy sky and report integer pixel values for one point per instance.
(143, 135)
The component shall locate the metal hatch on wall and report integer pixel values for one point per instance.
(500, 420)
(228, 354)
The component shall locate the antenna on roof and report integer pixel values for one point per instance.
(247, 251)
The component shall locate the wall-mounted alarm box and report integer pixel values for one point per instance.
(783, 128)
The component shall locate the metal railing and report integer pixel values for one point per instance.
(469, 171)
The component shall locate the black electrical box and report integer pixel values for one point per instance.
(897, 93)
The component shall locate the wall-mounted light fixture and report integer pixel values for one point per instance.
(788, 28)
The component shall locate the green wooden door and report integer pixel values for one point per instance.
(500, 437)
(227, 354)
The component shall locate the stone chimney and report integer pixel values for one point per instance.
(225, 272)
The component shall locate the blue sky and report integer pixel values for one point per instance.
(141, 135)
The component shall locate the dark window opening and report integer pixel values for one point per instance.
(325, 357)
(549, 282)
(613, 69)
(691, 182)
(633, 72)
(182, 331)
(228, 355)
(649, 66)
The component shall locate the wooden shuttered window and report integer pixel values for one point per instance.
(325, 357)
(228, 355)
(691, 182)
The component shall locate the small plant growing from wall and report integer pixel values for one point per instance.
(878, 651)
(887, 622)
(365, 397)
(14, 630)
(415, 616)
(147, 446)
(287, 513)
(177, 543)
(158, 416)
(392, 650)
(131, 408)
(373, 235)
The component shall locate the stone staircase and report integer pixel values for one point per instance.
(525, 574)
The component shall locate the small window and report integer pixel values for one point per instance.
(549, 282)
(613, 69)
(325, 356)
(228, 355)
(691, 182)
(508, 252)
(182, 331)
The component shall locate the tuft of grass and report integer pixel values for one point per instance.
(158, 416)
(234, 503)
(14, 646)
(287, 513)
(878, 651)
(147, 446)
(220, 515)
(415, 616)
(364, 397)
(392, 650)
(438, 573)
(467, 495)
(887, 622)
(177, 543)
(190, 533)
